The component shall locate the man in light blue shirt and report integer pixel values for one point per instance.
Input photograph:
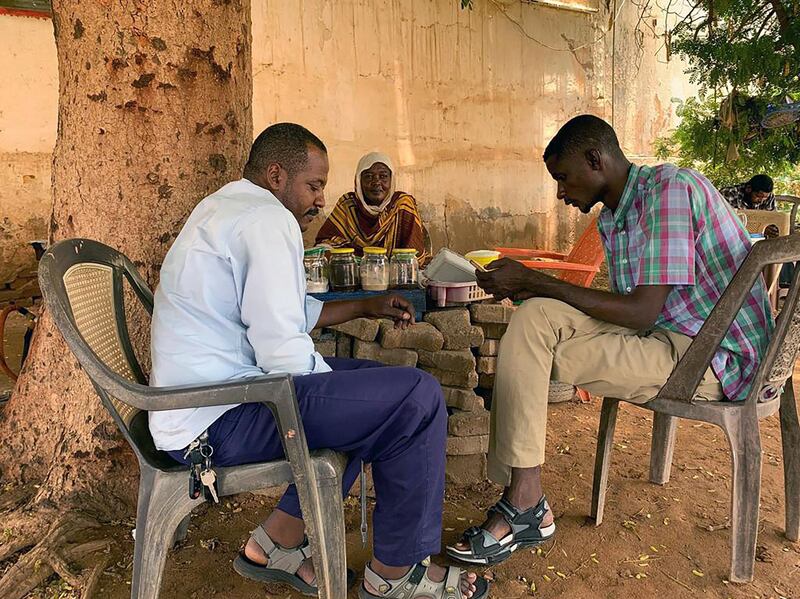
(232, 303)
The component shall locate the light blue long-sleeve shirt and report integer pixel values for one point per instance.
(231, 303)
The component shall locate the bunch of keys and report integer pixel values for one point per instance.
(202, 478)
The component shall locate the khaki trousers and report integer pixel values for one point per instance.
(548, 339)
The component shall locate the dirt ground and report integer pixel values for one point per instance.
(668, 539)
(671, 540)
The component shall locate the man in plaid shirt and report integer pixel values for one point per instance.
(673, 245)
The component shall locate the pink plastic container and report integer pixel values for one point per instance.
(448, 294)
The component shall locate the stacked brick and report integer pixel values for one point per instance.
(455, 367)
(459, 347)
(442, 345)
(493, 320)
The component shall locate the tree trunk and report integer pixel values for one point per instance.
(154, 114)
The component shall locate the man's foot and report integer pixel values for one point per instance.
(435, 574)
(497, 526)
(507, 528)
(254, 553)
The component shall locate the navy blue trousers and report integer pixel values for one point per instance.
(393, 418)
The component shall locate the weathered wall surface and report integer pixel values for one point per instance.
(28, 110)
(461, 99)
(25, 203)
(645, 85)
(464, 101)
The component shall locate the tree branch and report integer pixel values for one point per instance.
(764, 24)
(783, 16)
(748, 20)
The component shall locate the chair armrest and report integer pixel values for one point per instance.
(278, 394)
(572, 266)
(260, 389)
(684, 380)
(274, 391)
(530, 253)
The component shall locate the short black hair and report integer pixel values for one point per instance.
(582, 133)
(283, 143)
(761, 183)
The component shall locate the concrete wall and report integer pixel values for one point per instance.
(28, 113)
(464, 101)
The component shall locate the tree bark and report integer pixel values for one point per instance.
(154, 114)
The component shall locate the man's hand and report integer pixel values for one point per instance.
(771, 232)
(392, 306)
(506, 278)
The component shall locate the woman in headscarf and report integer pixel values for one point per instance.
(375, 214)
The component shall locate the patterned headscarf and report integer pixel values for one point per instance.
(366, 162)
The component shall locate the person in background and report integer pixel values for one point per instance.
(755, 194)
(375, 214)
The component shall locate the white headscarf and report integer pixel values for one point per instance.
(366, 162)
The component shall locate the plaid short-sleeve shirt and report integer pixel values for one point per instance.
(672, 227)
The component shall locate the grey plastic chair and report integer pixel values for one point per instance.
(795, 202)
(772, 392)
(82, 284)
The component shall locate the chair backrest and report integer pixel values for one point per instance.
(588, 249)
(779, 360)
(795, 202)
(82, 284)
(777, 364)
(759, 220)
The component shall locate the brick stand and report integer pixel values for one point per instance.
(456, 345)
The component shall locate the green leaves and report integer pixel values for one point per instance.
(729, 155)
(744, 55)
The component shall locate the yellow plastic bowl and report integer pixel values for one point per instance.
(483, 257)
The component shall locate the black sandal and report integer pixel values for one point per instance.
(282, 565)
(484, 548)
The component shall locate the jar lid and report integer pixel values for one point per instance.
(318, 251)
(405, 251)
(342, 251)
(482, 254)
(374, 250)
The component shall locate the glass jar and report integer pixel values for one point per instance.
(404, 269)
(374, 270)
(342, 269)
(316, 267)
